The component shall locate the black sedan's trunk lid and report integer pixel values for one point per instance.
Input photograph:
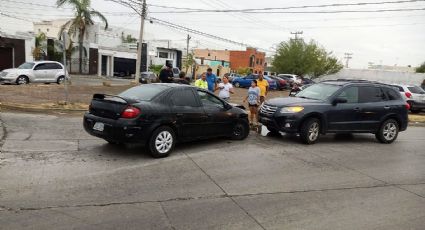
(108, 106)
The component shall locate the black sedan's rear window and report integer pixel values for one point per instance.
(143, 92)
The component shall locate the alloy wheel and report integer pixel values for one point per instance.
(164, 142)
(390, 131)
(22, 80)
(313, 131)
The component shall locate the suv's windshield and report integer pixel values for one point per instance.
(416, 89)
(318, 91)
(27, 65)
(143, 92)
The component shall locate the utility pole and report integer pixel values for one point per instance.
(187, 52)
(347, 56)
(64, 34)
(296, 34)
(139, 47)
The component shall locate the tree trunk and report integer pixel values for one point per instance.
(80, 50)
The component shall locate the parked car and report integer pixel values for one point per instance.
(414, 95)
(291, 78)
(272, 83)
(160, 115)
(31, 72)
(338, 107)
(281, 83)
(307, 81)
(244, 82)
(148, 77)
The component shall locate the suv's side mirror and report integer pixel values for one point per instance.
(339, 100)
(227, 106)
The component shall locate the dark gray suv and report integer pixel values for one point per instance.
(340, 106)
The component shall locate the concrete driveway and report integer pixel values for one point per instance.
(55, 176)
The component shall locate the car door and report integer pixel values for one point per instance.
(246, 82)
(219, 121)
(345, 116)
(39, 72)
(190, 116)
(374, 105)
(52, 70)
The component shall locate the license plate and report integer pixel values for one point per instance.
(99, 126)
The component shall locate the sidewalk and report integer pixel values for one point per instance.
(94, 80)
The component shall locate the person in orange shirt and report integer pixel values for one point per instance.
(264, 87)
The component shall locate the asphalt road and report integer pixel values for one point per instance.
(55, 176)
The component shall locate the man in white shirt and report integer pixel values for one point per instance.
(225, 88)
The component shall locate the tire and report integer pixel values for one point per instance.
(60, 80)
(22, 80)
(237, 85)
(388, 131)
(240, 130)
(162, 142)
(310, 131)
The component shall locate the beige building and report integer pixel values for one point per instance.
(207, 54)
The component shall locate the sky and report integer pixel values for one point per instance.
(388, 38)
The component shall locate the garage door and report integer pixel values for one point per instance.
(6, 58)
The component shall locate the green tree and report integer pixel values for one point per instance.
(188, 62)
(37, 52)
(79, 24)
(243, 71)
(298, 57)
(421, 69)
(155, 68)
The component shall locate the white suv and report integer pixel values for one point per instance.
(413, 95)
(39, 71)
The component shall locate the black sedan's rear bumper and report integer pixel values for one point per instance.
(121, 130)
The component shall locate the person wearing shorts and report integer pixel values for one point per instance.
(253, 99)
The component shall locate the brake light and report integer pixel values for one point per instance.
(130, 112)
(408, 95)
(407, 106)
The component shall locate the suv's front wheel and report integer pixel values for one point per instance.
(310, 131)
(388, 131)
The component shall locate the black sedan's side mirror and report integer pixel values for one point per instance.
(339, 101)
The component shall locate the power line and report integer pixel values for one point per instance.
(295, 12)
(289, 7)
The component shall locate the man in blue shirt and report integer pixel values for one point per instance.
(212, 80)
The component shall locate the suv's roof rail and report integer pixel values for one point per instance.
(355, 81)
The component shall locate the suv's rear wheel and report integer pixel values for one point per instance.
(388, 131)
(22, 80)
(162, 142)
(310, 131)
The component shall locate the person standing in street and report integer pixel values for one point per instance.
(202, 82)
(253, 101)
(225, 88)
(264, 87)
(166, 74)
(182, 79)
(212, 80)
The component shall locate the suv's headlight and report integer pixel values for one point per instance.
(292, 109)
(3, 74)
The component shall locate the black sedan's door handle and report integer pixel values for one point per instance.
(179, 114)
(209, 115)
(387, 107)
(357, 109)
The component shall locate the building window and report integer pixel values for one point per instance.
(251, 61)
(261, 61)
(47, 29)
(257, 62)
(163, 54)
(209, 54)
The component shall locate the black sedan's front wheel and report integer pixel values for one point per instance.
(162, 142)
(240, 130)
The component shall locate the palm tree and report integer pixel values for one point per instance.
(38, 50)
(79, 24)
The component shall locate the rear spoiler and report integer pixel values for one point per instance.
(100, 96)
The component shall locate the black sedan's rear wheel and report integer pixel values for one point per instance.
(388, 131)
(240, 130)
(161, 142)
(310, 131)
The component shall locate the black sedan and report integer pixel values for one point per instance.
(159, 115)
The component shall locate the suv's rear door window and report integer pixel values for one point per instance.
(143, 92)
(184, 97)
(370, 94)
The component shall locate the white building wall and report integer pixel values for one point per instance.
(389, 77)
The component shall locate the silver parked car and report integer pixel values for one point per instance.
(34, 72)
(414, 95)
